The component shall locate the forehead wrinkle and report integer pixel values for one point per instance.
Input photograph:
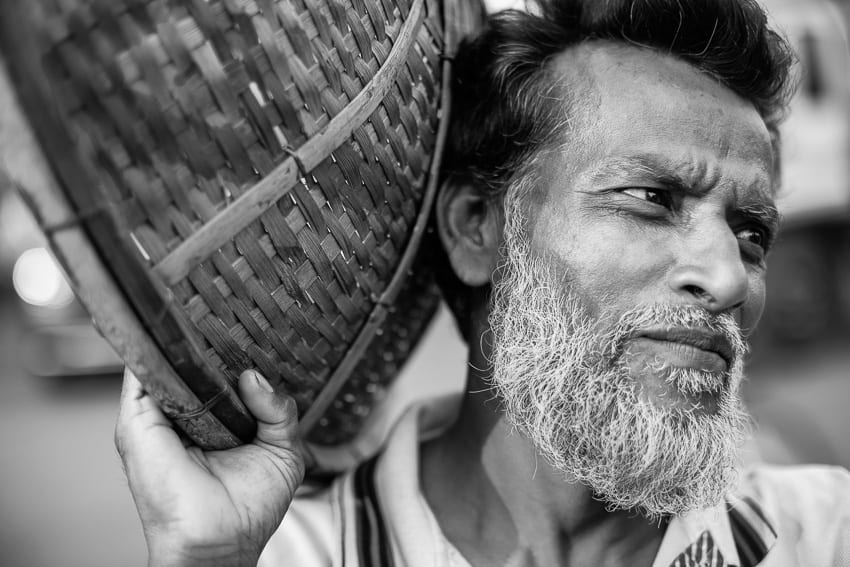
(693, 173)
(689, 173)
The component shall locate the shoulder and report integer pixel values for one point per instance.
(799, 489)
(808, 509)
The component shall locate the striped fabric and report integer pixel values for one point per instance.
(753, 534)
(701, 553)
(751, 531)
(373, 544)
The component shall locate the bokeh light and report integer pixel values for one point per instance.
(39, 281)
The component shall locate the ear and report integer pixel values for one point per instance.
(470, 226)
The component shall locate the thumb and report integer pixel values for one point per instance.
(275, 412)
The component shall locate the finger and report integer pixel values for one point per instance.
(277, 420)
(143, 435)
(135, 401)
(276, 413)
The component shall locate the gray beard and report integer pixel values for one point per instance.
(562, 381)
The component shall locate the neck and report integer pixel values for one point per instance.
(499, 503)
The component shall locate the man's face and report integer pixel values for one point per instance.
(667, 198)
(617, 321)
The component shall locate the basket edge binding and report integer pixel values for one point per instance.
(149, 300)
(94, 286)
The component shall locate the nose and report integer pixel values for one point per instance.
(710, 270)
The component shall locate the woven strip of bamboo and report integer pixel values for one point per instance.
(253, 173)
(285, 177)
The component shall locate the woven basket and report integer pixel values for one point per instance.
(242, 184)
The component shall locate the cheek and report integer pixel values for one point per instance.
(610, 270)
(754, 307)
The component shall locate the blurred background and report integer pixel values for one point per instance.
(63, 498)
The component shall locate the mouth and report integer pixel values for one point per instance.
(693, 341)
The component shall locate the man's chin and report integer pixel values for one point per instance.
(671, 395)
(681, 388)
(688, 463)
(637, 452)
(656, 461)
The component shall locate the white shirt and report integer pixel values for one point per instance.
(376, 515)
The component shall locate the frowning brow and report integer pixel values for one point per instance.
(690, 176)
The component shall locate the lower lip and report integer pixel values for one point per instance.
(679, 355)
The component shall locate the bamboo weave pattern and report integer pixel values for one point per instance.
(182, 107)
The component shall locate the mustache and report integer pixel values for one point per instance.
(700, 324)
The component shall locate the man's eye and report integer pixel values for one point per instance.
(655, 196)
(755, 236)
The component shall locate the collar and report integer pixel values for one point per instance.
(736, 533)
(701, 535)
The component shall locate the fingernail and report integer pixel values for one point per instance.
(262, 382)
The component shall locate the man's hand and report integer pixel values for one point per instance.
(214, 507)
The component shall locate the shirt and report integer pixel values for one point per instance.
(375, 515)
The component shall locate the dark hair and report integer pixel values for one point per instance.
(499, 120)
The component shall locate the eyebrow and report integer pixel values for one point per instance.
(688, 178)
(764, 213)
(694, 177)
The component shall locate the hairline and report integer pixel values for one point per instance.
(580, 94)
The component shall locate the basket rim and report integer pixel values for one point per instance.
(96, 289)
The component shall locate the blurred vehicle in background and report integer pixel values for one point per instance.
(58, 339)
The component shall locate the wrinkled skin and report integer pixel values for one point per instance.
(214, 507)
